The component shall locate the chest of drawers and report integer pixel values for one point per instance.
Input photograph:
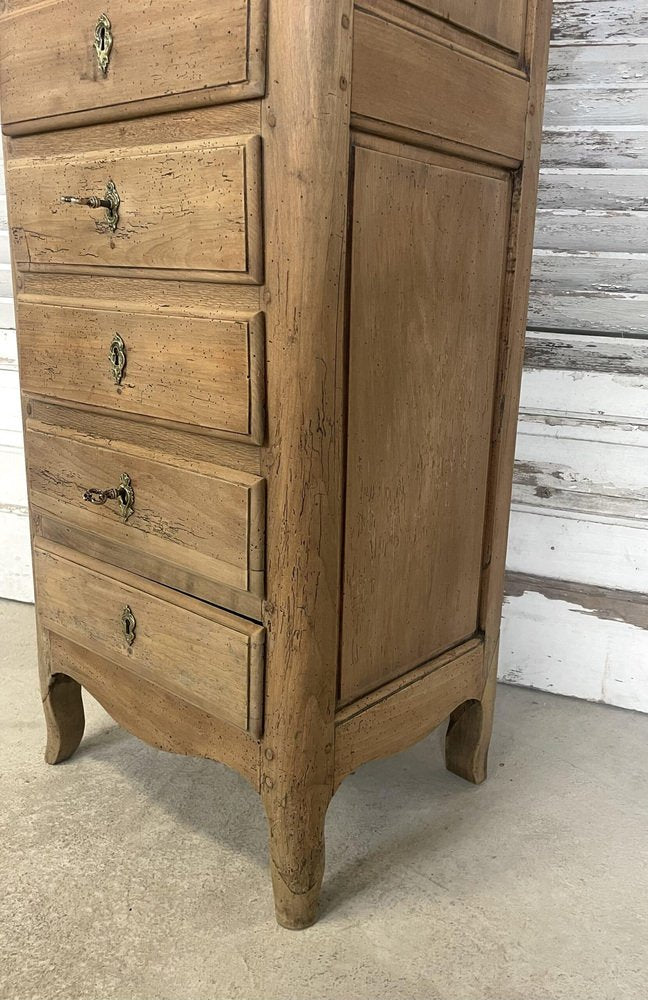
(270, 268)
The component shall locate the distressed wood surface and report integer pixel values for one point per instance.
(204, 519)
(425, 477)
(593, 640)
(189, 207)
(580, 511)
(217, 55)
(177, 639)
(198, 371)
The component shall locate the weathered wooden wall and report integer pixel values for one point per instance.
(15, 560)
(576, 614)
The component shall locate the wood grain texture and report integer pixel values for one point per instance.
(408, 79)
(155, 715)
(205, 519)
(202, 655)
(420, 409)
(469, 729)
(405, 711)
(64, 718)
(501, 21)
(198, 371)
(306, 154)
(184, 206)
(217, 55)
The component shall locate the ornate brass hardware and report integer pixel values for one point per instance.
(103, 42)
(117, 358)
(124, 493)
(110, 201)
(129, 625)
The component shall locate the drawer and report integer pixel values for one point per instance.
(206, 520)
(209, 658)
(162, 56)
(190, 370)
(186, 209)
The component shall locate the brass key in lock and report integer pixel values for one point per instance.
(124, 493)
(110, 202)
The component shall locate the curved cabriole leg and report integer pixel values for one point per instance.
(468, 735)
(296, 860)
(64, 717)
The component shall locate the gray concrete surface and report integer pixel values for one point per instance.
(131, 874)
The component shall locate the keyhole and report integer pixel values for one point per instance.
(102, 38)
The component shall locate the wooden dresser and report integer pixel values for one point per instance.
(271, 265)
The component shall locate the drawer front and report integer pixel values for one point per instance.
(206, 520)
(188, 207)
(191, 370)
(209, 658)
(160, 56)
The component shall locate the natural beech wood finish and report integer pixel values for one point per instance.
(306, 158)
(322, 291)
(191, 370)
(404, 711)
(190, 206)
(217, 55)
(414, 335)
(154, 714)
(399, 76)
(207, 520)
(177, 639)
(469, 729)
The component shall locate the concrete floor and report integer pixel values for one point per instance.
(131, 874)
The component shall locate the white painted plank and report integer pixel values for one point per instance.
(592, 550)
(5, 253)
(7, 317)
(607, 148)
(560, 271)
(8, 349)
(597, 395)
(576, 108)
(3, 212)
(591, 230)
(560, 644)
(6, 288)
(610, 312)
(598, 65)
(594, 189)
(12, 474)
(10, 418)
(582, 354)
(582, 473)
(599, 20)
(15, 567)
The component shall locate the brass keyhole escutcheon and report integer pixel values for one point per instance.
(117, 358)
(129, 625)
(103, 42)
(124, 494)
(110, 202)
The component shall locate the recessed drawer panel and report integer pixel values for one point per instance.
(206, 520)
(187, 207)
(210, 658)
(66, 62)
(192, 370)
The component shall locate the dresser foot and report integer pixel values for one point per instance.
(296, 865)
(64, 718)
(468, 736)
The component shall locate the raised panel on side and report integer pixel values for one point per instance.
(500, 21)
(429, 239)
(408, 79)
(164, 56)
(185, 208)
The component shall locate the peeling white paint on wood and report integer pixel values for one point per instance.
(571, 644)
(579, 523)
